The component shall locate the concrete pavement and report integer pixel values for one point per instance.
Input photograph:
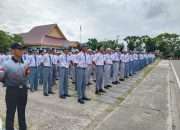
(153, 105)
(52, 113)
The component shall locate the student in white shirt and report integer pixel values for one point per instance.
(89, 68)
(74, 67)
(131, 63)
(40, 67)
(116, 59)
(107, 68)
(81, 74)
(64, 63)
(47, 75)
(122, 68)
(33, 65)
(126, 64)
(98, 60)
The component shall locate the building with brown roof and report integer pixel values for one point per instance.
(47, 36)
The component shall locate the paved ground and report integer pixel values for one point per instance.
(52, 113)
(176, 64)
(154, 105)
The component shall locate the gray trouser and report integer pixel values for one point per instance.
(99, 76)
(54, 70)
(88, 73)
(63, 82)
(115, 71)
(47, 78)
(73, 73)
(122, 71)
(94, 72)
(33, 78)
(81, 82)
(107, 75)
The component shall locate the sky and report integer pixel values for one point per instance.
(101, 19)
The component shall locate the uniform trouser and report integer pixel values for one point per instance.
(131, 67)
(115, 71)
(47, 85)
(33, 78)
(54, 74)
(94, 72)
(127, 69)
(63, 82)
(51, 78)
(81, 82)
(70, 72)
(135, 66)
(122, 71)
(99, 77)
(58, 74)
(88, 73)
(75, 76)
(40, 71)
(139, 65)
(73, 73)
(16, 98)
(107, 75)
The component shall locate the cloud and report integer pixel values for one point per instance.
(100, 19)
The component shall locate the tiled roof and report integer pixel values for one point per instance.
(39, 36)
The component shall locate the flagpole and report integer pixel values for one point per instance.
(80, 34)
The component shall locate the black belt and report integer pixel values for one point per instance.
(19, 87)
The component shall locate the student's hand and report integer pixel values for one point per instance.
(2, 73)
(27, 71)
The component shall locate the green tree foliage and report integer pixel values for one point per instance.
(7, 39)
(134, 43)
(168, 44)
(95, 44)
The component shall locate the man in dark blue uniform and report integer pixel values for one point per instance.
(15, 79)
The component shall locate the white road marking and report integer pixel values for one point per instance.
(0, 124)
(169, 120)
(174, 71)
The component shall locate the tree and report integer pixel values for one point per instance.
(167, 44)
(150, 44)
(7, 39)
(93, 43)
(134, 43)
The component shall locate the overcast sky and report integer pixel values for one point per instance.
(102, 19)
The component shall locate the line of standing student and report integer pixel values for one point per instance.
(106, 67)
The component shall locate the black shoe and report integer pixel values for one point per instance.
(121, 79)
(87, 99)
(109, 86)
(35, 89)
(89, 84)
(114, 83)
(63, 97)
(97, 92)
(73, 82)
(117, 82)
(80, 101)
(102, 91)
(51, 92)
(31, 89)
(45, 94)
(67, 95)
(106, 87)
